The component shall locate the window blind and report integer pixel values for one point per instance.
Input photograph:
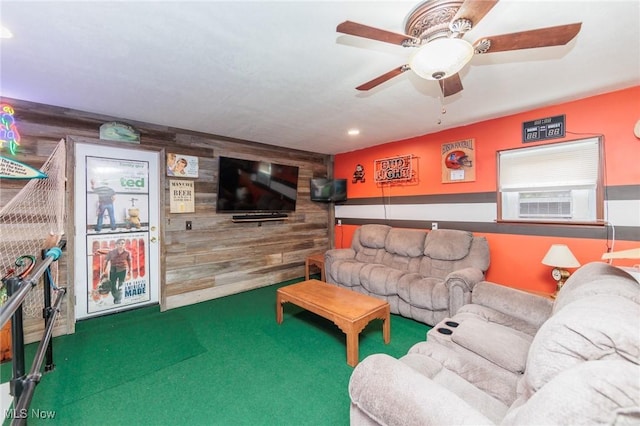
(570, 164)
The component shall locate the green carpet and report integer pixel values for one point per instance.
(221, 362)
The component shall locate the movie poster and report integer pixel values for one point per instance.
(117, 195)
(117, 269)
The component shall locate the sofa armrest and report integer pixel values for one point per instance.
(392, 393)
(460, 284)
(532, 308)
(333, 255)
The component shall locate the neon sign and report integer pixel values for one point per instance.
(8, 131)
(396, 169)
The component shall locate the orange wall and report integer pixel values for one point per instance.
(515, 259)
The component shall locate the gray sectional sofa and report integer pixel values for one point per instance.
(514, 358)
(423, 275)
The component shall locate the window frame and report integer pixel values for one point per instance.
(599, 190)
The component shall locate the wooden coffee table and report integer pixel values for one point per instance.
(349, 310)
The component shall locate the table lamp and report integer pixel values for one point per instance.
(560, 257)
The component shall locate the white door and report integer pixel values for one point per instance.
(116, 229)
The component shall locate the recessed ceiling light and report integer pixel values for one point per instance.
(5, 32)
(353, 132)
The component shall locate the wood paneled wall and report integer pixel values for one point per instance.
(217, 257)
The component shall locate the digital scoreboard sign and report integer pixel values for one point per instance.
(543, 128)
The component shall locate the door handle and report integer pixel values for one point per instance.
(153, 239)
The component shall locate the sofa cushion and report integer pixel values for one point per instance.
(503, 346)
(423, 292)
(380, 279)
(373, 235)
(369, 255)
(593, 328)
(405, 242)
(481, 401)
(479, 372)
(448, 244)
(402, 263)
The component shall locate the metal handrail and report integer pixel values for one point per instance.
(33, 378)
(23, 386)
(15, 301)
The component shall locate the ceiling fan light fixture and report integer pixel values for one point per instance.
(441, 58)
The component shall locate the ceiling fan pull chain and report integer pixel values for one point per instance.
(443, 111)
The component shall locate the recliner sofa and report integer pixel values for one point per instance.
(423, 275)
(511, 357)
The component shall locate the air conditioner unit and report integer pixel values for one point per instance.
(545, 204)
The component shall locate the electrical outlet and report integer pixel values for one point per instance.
(189, 225)
(434, 225)
(339, 222)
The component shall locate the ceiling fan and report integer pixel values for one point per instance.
(436, 29)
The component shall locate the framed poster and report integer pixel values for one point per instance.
(117, 266)
(179, 165)
(458, 161)
(181, 196)
(117, 195)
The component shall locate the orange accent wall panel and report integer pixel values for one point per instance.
(515, 258)
(612, 115)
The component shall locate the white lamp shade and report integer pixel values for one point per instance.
(560, 256)
(441, 58)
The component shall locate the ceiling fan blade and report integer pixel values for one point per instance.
(450, 85)
(384, 77)
(542, 37)
(360, 30)
(474, 10)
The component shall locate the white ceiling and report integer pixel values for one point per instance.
(279, 73)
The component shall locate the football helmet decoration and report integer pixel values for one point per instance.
(457, 160)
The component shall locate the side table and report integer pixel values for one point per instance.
(317, 260)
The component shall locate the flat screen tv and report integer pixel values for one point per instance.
(247, 186)
(328, 190)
